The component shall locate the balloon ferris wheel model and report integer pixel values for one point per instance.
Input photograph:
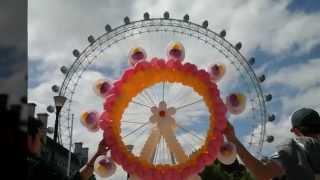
(170, 111)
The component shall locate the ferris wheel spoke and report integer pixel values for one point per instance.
(189, 104)
(132, 122)
(190, 131)
(135, 130)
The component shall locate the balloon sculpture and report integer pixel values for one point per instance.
(142, 74)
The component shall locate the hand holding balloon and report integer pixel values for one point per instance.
(102, 150)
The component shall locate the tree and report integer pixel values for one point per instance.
(219, 171)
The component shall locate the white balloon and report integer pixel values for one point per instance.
(228, 157)
(104, 166)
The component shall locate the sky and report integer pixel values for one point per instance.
(282, 35)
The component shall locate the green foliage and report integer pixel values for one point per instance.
(216, 172)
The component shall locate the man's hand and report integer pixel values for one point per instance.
(102, 150)
(87, 171)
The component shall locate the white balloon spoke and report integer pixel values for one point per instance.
(149, 96)
(189, 131)
(189, 104)
(142, 99)
(135, 130)
(132, 122)
(141, 104)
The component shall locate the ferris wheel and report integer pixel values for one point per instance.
(190, 113)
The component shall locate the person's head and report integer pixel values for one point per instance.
(305, 122)
(35, 136)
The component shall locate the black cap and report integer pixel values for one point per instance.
(305, 117)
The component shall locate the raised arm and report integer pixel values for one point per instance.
(87, 171)
(258, 169)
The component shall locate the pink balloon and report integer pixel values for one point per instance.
(161, 63)
(115, 156)
(109, 102)
(167, 175)
(174, 174)
(140, 172)
(185, 173)
(149, 175)
(142, 65)
(117, 84)
(204, 75)
(153, 62)
(193, 170)
(213, 147)
(174, 64)
(171, 63)
(206, 159)
(128, 74)
(191, 68)
(114, 91)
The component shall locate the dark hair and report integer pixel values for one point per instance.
(33, 126)
(309, 130)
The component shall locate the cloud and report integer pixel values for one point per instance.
(280, 130)
(300, 76)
